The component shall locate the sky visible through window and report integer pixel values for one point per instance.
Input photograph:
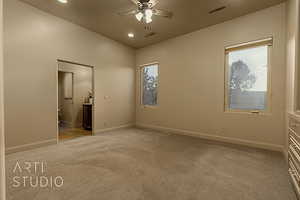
(152, 70)
(150, 83)
(257, 61)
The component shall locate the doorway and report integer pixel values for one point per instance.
(75, 104)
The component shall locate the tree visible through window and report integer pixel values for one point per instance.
(149, 85)
(247, 86)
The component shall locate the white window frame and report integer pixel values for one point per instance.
(264, 42)
(141, 83)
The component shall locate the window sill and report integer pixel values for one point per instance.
(148, 107)
(258, 113)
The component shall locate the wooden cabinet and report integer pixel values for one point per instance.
(87, 118)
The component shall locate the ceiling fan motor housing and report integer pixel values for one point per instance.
(144, 1)
(144, 4)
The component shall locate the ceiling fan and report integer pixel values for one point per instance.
(145, 10)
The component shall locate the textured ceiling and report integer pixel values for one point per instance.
(189, 15)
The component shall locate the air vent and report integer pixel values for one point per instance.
(217, 10)
(150, 34)
(148, 28)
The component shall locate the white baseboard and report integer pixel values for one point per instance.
(249, 143)
(30, 146)
(260, 145)
(113, 128)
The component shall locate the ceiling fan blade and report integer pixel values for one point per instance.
(153, 3)
(162, 13)
(137, 2)
(129, 12)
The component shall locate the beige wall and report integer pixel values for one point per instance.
(72, 109)
(33, 41)
(291, 26)
(191, 85)
(2, 160)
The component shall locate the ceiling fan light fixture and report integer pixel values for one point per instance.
(63, 1)
(148, 20)
(148, 13)
(139, 16)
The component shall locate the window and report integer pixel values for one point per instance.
(247, 77)
(149, 82)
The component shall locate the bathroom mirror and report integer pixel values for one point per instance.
(68, 85)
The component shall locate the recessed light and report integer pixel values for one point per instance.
(63, 1)
(130, 35)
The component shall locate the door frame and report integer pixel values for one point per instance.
(93, 93)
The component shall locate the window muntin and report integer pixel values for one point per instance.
(149, 82)
(247, 77)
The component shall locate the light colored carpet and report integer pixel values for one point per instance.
(134, 164)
